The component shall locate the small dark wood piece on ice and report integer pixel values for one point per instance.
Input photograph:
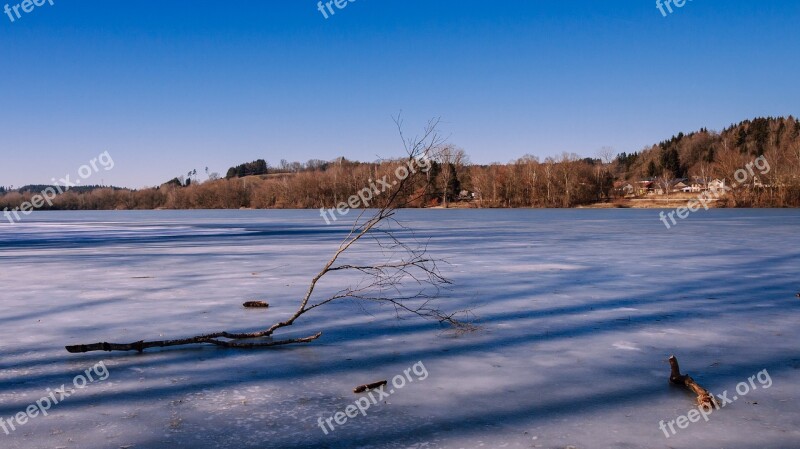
(704, 397)
(372, 386)
(256, 305)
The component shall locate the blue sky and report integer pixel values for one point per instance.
(168, 86)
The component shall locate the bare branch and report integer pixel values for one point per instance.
(406, 263)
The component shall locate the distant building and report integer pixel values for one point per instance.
(622, 188)
(681, 186)
(700, 184)
(717, 185)
(645, 187)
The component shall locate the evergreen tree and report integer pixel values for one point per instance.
(652, 170)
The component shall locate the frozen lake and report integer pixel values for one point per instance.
(579, 311)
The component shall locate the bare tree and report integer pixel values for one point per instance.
(606, 154)
(603, 172)
(452, 159)
(386, 282)
(480, 181)
(665, 182)
(726, 166)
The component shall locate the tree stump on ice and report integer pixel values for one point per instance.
(704, 397)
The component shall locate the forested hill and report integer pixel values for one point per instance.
(694, 154)
(567, 180)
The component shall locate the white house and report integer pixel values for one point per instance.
(717, 185)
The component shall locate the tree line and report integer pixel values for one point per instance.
(558, 182)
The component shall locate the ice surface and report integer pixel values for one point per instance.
(579, 311)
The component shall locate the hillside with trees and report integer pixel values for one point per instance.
(705, 155)
(564, 181)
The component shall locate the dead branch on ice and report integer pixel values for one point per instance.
(704, 397)
(385, 282)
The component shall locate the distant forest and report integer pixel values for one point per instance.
(559, 182)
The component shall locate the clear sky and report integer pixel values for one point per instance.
(172, 85)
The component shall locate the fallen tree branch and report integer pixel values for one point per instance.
(412, 267)
(704, 397)
(140, 346)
